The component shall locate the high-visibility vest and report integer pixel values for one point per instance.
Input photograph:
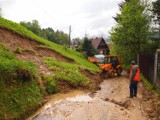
(137, 75)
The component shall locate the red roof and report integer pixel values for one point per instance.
(96, 42)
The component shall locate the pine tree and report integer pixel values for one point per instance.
(88, 48)
(116, 18)
(156, 11)
(130, 34)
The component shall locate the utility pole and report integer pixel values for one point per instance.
(69, 35)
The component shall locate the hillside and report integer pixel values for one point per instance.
(32, 67)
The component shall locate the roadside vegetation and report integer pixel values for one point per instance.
(58, 37)
(69, 53)
(67, 72)
(20, 89)
(137, 30)
(150, 86)
(20, 92)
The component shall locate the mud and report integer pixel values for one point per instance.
(109, 103)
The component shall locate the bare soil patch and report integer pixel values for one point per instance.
(30, 50)
(109, 103)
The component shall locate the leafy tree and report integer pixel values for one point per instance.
(49, 34)
(156, 11)
(156, 32)
(57, 37)
(116, 18)
(62, 38)
(32, 26)
(88, 48)
(36, 27)
(130, 34)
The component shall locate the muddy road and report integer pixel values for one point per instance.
(109, 103)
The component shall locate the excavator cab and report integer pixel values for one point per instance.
(111, 65)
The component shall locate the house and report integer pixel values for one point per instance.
(100, 45)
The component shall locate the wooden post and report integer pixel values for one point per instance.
(69, 36)
(155, 66)
(137, 59)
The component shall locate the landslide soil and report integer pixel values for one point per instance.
(109, 103)
(28, 49)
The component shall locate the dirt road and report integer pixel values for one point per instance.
(109, 103)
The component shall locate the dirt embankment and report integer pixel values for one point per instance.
(110, 102)
(28, 49)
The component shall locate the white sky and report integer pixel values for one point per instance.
(91, 17)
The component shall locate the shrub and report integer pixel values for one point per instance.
(51, 85)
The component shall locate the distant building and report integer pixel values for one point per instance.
(100, 45)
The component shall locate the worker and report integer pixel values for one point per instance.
(134, 79)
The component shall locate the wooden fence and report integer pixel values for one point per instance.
(146, 63)
(157, 69)
(150, 67)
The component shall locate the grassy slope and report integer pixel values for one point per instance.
(78, 57)
(19, 93)
(18, 96)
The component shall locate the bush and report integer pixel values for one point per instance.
(51, 85)
(67, 72)
(18, 100)
(19, 93)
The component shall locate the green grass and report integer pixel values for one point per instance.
(149, 85)
(17, 100)
(64, 51)
(19, 91)
(67, 72)
(52, 86)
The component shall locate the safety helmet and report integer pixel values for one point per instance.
(133, 62)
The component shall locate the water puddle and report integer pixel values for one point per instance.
(74, 95)
(82, 98)
(109, 103)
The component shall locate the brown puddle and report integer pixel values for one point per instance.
(109, 103)
(81, 98)
(74, 95)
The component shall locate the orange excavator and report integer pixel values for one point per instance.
(109, 64)
(96, 59)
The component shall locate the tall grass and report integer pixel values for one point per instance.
(19, 92)
(67, 72)
(150, 86)
(69, 53)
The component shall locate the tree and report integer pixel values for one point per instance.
(130, 34)
(156, 11)
(32, 26)
(49, 34)
(116, 18)
(57, 37)
(156, 32)
(88, 48)
(62, 38)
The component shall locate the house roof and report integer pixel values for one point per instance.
(96, 42)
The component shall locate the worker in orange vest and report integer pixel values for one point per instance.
(134, 79)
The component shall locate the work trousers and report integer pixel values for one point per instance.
(133, 88)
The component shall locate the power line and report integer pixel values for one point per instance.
(46, 13)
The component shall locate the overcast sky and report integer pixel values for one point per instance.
(91, 17)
